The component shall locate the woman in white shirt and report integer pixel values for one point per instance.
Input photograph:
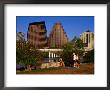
(74, 59)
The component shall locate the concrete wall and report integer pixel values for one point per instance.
(50, 64)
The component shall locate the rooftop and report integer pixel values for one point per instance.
(36, 23)
(88, 30)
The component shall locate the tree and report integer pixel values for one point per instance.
(28, 55)
(89, 57)
(67, 54)
(78, 46)
(75, 46)
(45, 54)
(74, 39)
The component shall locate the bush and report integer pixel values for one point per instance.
(89, 57)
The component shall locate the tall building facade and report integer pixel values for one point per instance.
(37, 34)
(20, 39)
(88, 40)
(20, 36)
(57, 37)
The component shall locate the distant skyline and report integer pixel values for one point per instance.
(73, 25)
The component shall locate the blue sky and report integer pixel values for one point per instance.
(73, 25)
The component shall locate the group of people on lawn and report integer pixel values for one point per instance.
(74, 63)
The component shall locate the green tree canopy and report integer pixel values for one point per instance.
(74, 46)
(27, 55)
(89, 57)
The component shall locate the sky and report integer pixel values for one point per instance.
(73, 25)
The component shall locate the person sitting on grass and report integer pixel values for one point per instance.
(61, 62)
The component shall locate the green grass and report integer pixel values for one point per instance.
(84, 69)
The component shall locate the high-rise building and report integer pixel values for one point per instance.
(57, 37)
(20, 36)
(20, 39)
(37, 34)
(88, 40)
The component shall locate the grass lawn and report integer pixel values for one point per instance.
(84, 69)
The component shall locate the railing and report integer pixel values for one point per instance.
(50, 49)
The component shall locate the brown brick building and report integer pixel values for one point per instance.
(37, 34)
(57, 37)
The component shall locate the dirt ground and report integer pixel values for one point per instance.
(84, 69)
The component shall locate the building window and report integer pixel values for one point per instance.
(42, 27)
(87, 39)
